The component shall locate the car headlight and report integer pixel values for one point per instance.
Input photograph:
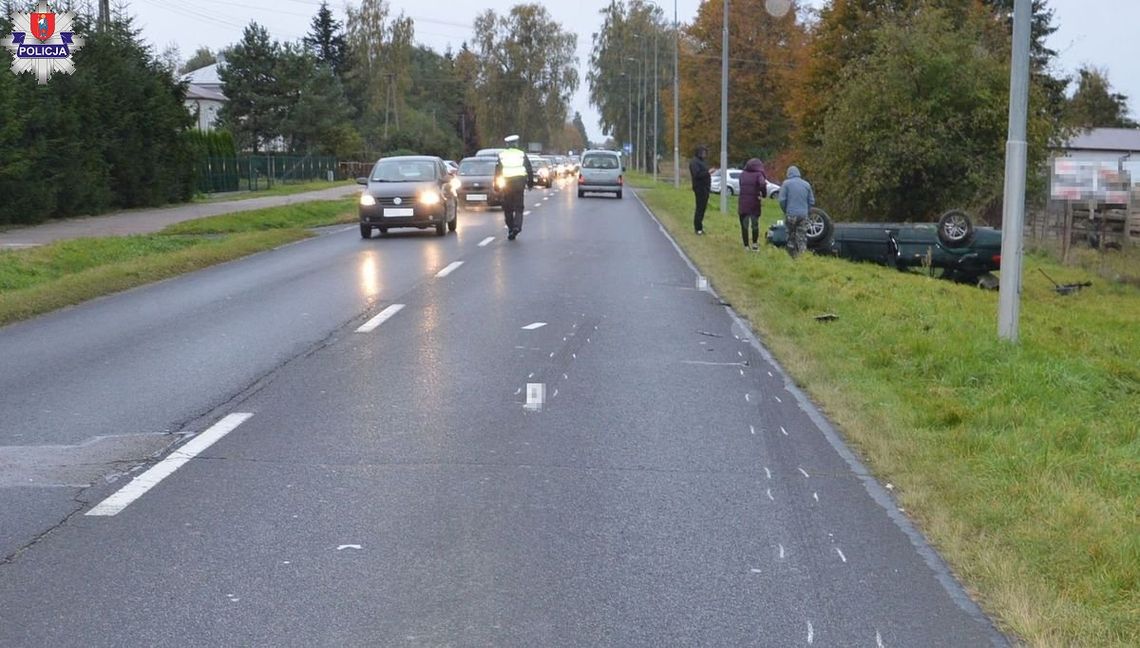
(500, 182)
(429, 198)
(366, 200)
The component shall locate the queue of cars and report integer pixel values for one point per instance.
(422, 192)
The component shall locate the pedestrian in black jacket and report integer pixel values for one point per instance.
(702, 185)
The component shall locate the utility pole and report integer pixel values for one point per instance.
(104, 13)
(724, 115)
(676, 103)
(656, 92)
(1013, 209)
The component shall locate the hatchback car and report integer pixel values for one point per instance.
(477, 182)
(408, 191)
(600, 172)
(964, 253)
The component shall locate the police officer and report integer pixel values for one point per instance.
(516, 175)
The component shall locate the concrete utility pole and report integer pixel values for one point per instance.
(724, 116)
(1013, 209)
(676, 103)
(656, 91)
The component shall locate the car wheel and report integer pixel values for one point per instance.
(365, 231)
(383, 231)
(818, 227)
(955, 229)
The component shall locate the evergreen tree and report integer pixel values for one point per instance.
(581, 128)
(253, 112)
(201, 58)
(1095, 105)
(326, 39)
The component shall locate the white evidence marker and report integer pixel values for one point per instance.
(348, 546)
(555, 393)
(535, 396)
(755, 571)
(804, 473)
(777, 399)
(527, 212)
(551, 354)
(841, 556)
(536, 325)
(741, 372)
(518, 391)
(138, 486)
(752, 429)
(770, 495)
(767, 473)
(740, 354)
(785, 432)
(879, 640)
(485, 242)
(816, 496)
(781, 552)
(451, 267)
(747, 398)
(384, 315)
(530, 375)
(770, 374)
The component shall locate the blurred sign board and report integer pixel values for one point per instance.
(1085, 180)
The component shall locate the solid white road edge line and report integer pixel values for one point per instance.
(486, 241)
(384, 315)
(451, 267)
(163, 469)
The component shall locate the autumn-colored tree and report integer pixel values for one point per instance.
(1095, 105)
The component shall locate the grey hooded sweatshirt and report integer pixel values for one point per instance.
(796, 195)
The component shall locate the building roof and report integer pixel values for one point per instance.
(205, 76)
(204, 93)
(1106, 139)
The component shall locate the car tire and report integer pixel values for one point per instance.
(383, 231)
(955, 229)
(819, 228)
(366, 231)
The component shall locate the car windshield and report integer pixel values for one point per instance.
(600, 162)
(477, 167)
(403, 171)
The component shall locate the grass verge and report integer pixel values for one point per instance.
(279, 189)
(1021, 464)
(38, 280)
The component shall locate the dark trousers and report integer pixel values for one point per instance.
(699, 213)
(754, 221)
(513, 205)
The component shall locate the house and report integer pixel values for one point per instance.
(1096, 174)
(204, 97)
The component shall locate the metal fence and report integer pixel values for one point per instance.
(253, 172)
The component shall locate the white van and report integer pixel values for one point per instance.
(600, 172)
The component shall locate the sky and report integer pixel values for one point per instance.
(1102, 33)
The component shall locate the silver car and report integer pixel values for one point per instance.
(600, 172)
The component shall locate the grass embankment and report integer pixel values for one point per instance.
(278, 189)
(1020, 463)
(37, 280)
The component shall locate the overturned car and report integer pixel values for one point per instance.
(962, 252)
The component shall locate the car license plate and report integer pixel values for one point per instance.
(399, 211)
(476, 196)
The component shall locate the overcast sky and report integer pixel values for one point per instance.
(1102, 33)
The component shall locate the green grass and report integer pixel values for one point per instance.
(1021, 463)
(41, 279)
(278, 189)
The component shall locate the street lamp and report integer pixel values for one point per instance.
(724, 115)
(676, 102)
(629, 110)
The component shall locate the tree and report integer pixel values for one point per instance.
(918, 126)
(326, 39)
(758, 122)
(527, 72)
(253, 112)
(1095, 105)
(201, 58)
(581, 128)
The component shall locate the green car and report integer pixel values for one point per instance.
(964, 253)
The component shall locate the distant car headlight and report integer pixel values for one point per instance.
(366, 200)
(429, 198)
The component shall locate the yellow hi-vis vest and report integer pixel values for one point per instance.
(514, 163)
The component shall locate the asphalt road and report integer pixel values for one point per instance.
(560, 442)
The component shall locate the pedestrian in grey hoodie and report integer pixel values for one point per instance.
(796, 199)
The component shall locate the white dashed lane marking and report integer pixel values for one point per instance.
(486, 241)
(536, 325)
(451, 267)
(163, 469)
(382, 317)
